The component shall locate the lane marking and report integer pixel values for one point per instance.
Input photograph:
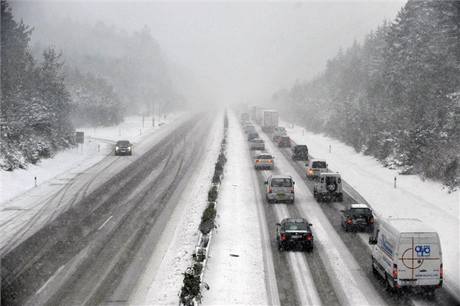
(103, 224)
(49, 280)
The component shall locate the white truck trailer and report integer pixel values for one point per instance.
(270, 120)
(407, 253)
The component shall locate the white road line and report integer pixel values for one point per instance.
(272, 287)
(103, 224)
(305, 287)
(307, 292)
(49, 280)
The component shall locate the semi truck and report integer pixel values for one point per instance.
(270, 120)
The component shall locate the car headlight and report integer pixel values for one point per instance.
(129, 148)
(117, 148)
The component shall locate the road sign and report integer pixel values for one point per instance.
(80, 137)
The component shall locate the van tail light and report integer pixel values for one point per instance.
(257, 161)
(309, 237)
(270, 190)
(349, 221)
(270, 161)
(292, 190)
(395, 271)
(441, 272)
(371, 220)
(283, 237)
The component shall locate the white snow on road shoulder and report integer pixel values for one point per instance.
(413, 197)
(235, 270)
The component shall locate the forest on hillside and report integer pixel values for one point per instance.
(91, 75)
(395, 96)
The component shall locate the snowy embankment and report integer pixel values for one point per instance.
(413, 197)
(235, 270)
(163, 276)
(98, 144)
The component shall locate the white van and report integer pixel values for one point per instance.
(407, 253)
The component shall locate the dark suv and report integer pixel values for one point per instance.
(357, 216)
(123, 147)
(294, 233)
(300, 152)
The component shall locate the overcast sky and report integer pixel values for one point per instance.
(240, 51)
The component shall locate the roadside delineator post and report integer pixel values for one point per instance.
(330, 149)
(35, 180)
(395, 182)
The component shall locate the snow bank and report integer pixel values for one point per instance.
(413, 197)
(235, 269)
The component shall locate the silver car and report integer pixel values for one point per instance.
(256, 144)
(264, 161)
(280, 188)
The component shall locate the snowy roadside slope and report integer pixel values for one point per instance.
(162, 279)
(13, 183)
(236, 280)
(426, 200)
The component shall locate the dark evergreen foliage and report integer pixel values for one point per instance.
(396, 95)
(35, 104)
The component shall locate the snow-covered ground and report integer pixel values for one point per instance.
(412, 197)
(98, 144)
(162, 280)
(235, 270)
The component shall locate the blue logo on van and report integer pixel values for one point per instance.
(423, 250)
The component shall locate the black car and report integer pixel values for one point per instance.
(123, 147)
(300, 152)
(357, 217)
(252, 135)
(294, 233)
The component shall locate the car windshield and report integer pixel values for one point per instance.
(123, 143)
(360, 211)
(318, 164)
(264, 157)
(281, 182)
(296, 226)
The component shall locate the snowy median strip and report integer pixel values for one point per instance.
(192, 284)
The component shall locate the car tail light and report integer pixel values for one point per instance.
(371, 220)
(292, 190)
(270, 190)
(257, 161)
(349, 221)
(283, 237)
(395, 271)
(309, 237)
(441, 272)
(270, 161)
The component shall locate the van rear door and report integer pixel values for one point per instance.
(419, 259)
